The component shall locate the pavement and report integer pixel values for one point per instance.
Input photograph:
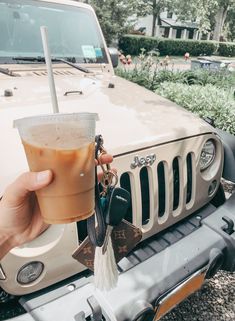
(177, 63)
(181, 64)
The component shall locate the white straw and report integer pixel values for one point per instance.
(49, 69)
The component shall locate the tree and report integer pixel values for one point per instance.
(155, 7)
(230, 24)
(117, 17)
(223, 8)
(212, 13)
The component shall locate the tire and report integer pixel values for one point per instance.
(219, 198)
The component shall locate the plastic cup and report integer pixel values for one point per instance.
(64, 143)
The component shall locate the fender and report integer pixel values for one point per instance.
(228, 141)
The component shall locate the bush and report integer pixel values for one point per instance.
(201, 91)
(179, 47)
(204, 101)
(227, 49)
(132, 44)
(221, 78)
(150, 72)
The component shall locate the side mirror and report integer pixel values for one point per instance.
(114, 56)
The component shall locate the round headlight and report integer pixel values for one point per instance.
(207, 155)
(30, 272)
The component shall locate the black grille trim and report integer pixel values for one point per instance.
(161, 173)
(189, 178)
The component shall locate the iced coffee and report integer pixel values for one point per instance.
(67, 148)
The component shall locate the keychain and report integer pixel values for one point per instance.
(117, 203)
(111, 207)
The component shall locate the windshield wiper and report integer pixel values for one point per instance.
(8, 72)
(72, 64)
(42, 59)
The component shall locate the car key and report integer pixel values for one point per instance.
(119, 202)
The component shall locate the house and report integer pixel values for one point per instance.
(168, 26)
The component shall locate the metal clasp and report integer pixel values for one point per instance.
(109, 178)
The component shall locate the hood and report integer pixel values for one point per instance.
(130, 117)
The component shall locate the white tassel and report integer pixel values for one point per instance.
(105, 268)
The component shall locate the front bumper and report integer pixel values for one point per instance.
(148, 273)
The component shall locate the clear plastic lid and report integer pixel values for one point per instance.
(54, 118)
(58, 130)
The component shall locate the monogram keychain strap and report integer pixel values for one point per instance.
(97, 233)
(125, 237)
(96, 227)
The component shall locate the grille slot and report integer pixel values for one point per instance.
(126, 183)
(176, 183)
(161, 174)
(189, 178)
(144, 185)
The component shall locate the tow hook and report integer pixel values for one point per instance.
(215, 262)
(229, 226)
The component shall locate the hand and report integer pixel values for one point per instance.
(20, 217)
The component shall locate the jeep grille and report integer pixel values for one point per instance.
(169, 189)
(163, 186)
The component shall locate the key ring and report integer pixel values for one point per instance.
(109, 178)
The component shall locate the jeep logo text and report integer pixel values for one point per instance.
(143, 161)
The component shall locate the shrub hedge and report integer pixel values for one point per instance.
(227, 49)
(132, 44)
(178, 47)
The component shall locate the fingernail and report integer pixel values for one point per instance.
(43, 176)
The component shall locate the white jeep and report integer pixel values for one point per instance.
(168, 159)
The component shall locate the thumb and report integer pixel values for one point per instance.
(24, 184)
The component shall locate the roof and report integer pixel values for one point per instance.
(179, 24)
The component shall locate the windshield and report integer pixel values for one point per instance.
(72, 31)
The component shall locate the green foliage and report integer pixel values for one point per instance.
(204, 101)
(210, 15)
(149, 72)
(132, 44)
(204, 92)
(155, 7)
(201, 10)
(144, 72)
(230, 25)
(227, 49)
(221, 78)
(178, 47)
(114, 17)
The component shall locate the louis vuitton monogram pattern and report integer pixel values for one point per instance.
(122, 249)
(119, 234)
(125, 237)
